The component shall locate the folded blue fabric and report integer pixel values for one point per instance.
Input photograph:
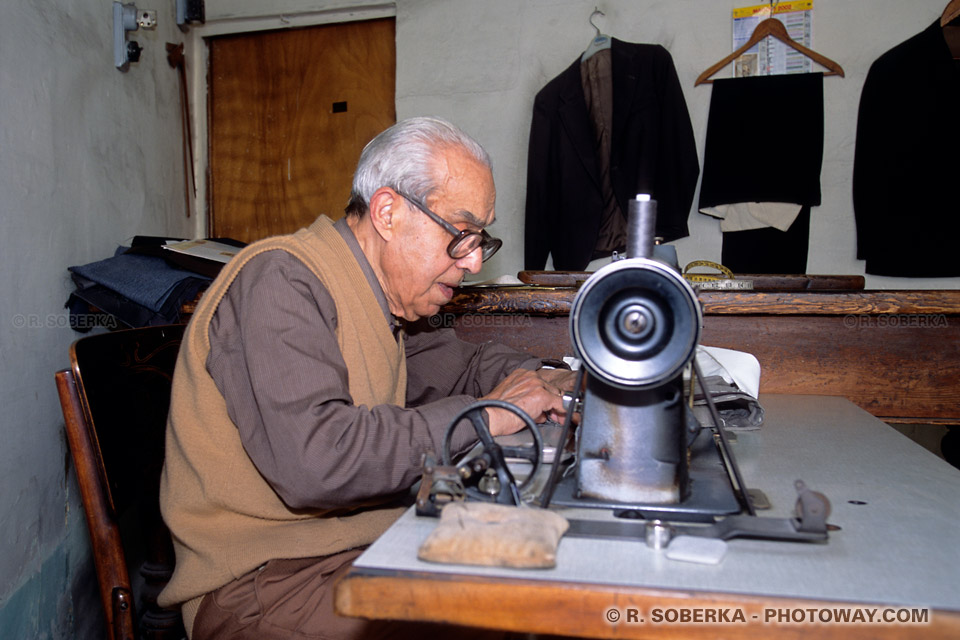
(146, 280)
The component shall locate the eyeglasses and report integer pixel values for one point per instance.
(464, 241)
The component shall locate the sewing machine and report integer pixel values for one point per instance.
(639, 450)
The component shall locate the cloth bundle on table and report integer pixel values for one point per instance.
(137, 290)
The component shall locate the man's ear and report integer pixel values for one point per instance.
(384, 205)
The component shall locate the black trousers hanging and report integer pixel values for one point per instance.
(769, 250)
(765, 144)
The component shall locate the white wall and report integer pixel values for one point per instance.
(480, 64)
(89, 157)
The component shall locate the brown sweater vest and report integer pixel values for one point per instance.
(225, 519)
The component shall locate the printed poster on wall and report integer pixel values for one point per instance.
(770, 56)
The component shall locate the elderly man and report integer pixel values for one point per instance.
(306, 393)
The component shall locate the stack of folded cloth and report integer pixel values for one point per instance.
(137, 289)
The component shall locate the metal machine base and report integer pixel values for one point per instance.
(711, 492)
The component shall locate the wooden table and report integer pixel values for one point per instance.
(897, 553)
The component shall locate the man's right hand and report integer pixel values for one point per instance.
(528, 391)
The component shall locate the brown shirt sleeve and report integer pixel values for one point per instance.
(439, 364)
(274, 356)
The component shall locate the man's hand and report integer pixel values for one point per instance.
(563, 378)
(541, 397)
(539, 393)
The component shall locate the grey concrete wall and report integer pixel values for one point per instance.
(89, 157)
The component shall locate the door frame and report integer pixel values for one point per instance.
(246, 17)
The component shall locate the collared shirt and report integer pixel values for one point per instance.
(302, 431)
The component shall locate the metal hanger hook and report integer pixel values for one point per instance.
(596, 10)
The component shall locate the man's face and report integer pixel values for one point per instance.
(420, 275)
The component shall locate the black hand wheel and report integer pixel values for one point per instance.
(493, 455)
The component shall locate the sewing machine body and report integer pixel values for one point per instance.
(635, 326)
(639, 450)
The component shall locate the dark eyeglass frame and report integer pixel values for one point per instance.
(459, 247)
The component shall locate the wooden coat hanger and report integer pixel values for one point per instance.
(950, 24)
(775, 28)
(950, 13)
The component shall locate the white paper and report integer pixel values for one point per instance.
(206, 249)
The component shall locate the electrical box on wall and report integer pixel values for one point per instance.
(126, 17)
(190, 11)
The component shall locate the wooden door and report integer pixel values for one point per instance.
(290, 112)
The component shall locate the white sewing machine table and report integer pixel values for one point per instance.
(896, 555)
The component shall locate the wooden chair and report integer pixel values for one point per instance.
(115, 400)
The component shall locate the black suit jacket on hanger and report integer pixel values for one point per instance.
(906, 201)
(652, 151)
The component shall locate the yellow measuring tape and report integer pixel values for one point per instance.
(725, 274)
(723, 280)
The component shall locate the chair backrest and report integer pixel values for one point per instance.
(115, 400)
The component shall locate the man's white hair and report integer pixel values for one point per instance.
(403, 158)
